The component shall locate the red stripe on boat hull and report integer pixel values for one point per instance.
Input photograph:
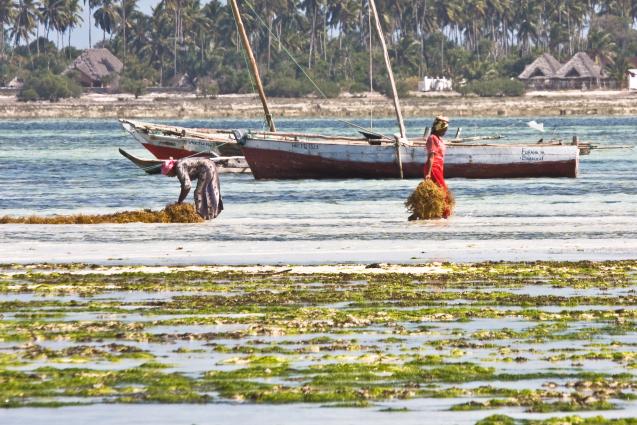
(275, 164)
(163, 152)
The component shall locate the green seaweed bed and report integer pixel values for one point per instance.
(536, 337)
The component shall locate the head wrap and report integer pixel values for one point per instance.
(440, 123)
(167, 166)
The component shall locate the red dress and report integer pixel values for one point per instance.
(437, 146)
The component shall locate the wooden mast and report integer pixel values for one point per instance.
(253, 63)
(399, 115)
(379, 31)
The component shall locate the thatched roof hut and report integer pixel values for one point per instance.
(96, 67)
(580, 72)
(581, 66)
(545, 66)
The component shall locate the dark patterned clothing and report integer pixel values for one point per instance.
(208, 202)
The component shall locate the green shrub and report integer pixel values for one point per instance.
(136, 87)
(287, 87)
(232, 81)
(493, 88)
(28, 95)
(329, 88)
(357, 87)
(411, 83)
(47, 86)
(208, 87)
(402, 88)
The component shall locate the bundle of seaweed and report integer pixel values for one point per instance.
(174, 213)
(429, 201)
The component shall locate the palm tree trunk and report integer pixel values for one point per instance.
(175, 43)
(90, 41)
(309, 59)
(124, 32)
(270, 19)
(325, 36)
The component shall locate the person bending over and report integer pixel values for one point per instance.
(208, 202)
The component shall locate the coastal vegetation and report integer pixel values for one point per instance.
(467, 41)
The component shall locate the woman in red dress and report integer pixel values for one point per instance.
(435, 165)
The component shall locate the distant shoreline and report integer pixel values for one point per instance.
(180, 106)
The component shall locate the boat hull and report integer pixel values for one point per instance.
(277, 159)
(164, 146)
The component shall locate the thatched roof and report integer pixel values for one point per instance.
(581, 66)
(96, 64)
(545, 66)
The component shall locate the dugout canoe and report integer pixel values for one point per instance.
(153, 166)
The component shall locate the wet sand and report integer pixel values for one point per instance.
(186, 106)
(128, 251)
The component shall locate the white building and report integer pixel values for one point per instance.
(435, 84)
(632, 78)
(16, 83)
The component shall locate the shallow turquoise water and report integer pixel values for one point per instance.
(72, 166)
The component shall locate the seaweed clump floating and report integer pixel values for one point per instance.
(429, 201)
(173, 213)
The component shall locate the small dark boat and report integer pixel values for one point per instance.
(150, 166)
(231, 164)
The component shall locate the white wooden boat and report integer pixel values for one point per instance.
(165, 141)
(298, 156)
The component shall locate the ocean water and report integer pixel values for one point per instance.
(73, 166)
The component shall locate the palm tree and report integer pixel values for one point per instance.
(527, 18)
(92, 4)
(126, 9)
(268, 10)
(73, 17)
(618, 70)
(106, 17)
(314, 9)
(52, 14)
(25, 21)
(140, 30)
(175, 7)
(601, 47)
(158, 47)
(7, 14)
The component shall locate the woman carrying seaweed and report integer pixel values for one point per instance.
(435, 165)
(208, 202)
(432, 198)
